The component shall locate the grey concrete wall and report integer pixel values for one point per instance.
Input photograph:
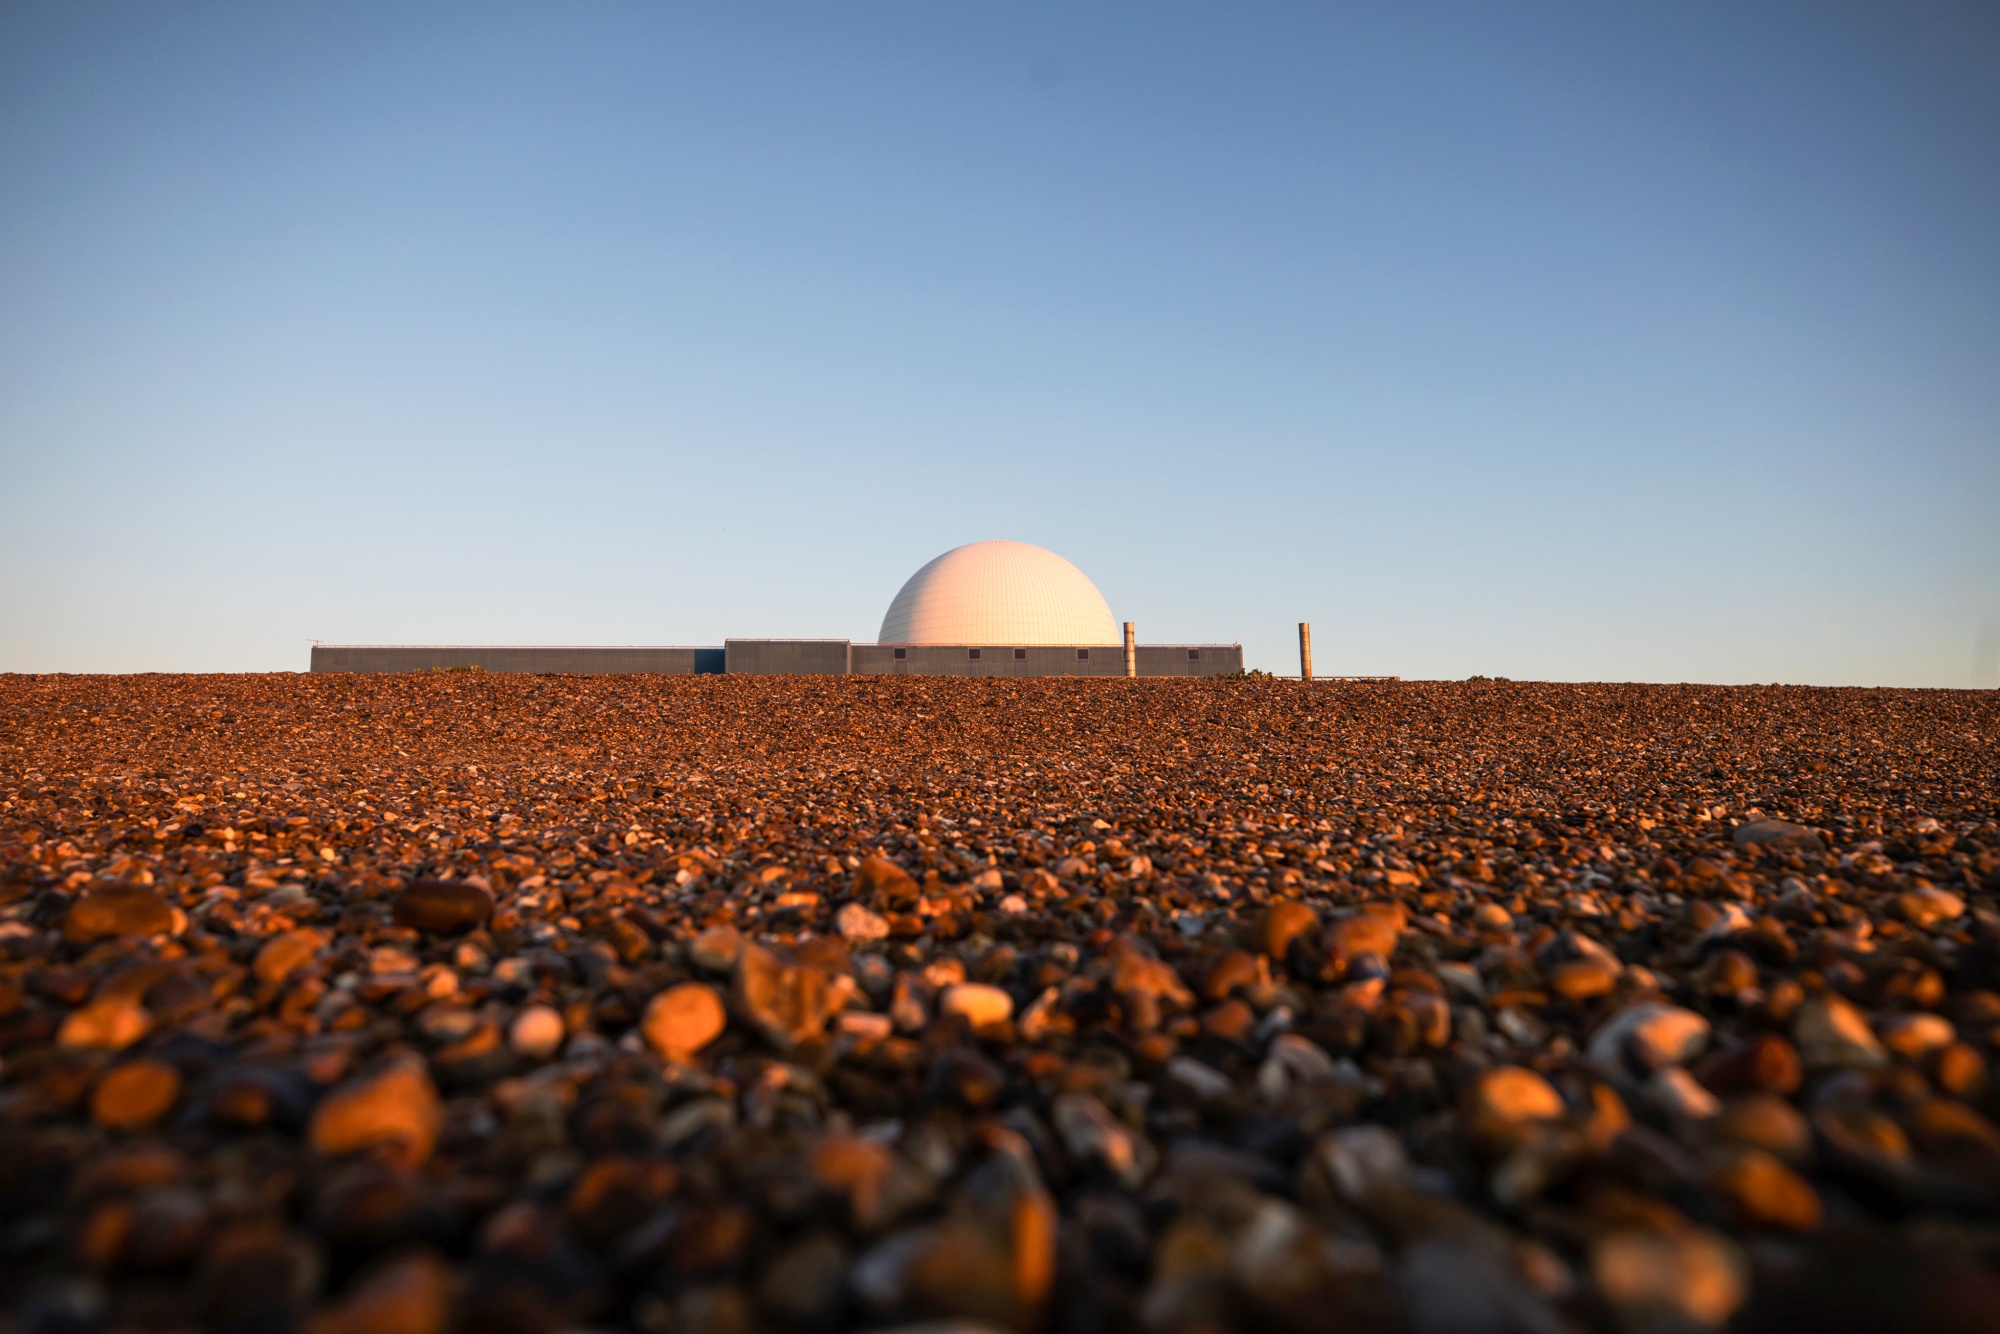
(1175, 659)
(584, 660)
(1043, 660)
(787, 657)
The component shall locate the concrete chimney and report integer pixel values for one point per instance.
(1131, 651)
(1305, 651)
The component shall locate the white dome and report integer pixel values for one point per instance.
(999, 593)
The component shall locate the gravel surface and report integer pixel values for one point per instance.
(453, 1001)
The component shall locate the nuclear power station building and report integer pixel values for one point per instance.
(985, 609)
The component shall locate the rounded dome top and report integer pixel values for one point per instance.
(999, 593)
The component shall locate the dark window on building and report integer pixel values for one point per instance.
(902, 653)
(973, 654)
(1083, 655)
(1019, 654)
(1194, 655)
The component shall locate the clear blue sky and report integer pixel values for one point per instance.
(1590, 342)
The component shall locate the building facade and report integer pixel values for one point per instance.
(790, 657)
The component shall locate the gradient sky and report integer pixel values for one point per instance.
(1590, 342)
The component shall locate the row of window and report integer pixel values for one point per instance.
(1020, 654)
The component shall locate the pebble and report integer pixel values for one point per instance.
(681, 1020)
(1651, 1035)
(1582, 979)
(1927, 907)
(121, 912)
(1915, 1036)
(717, 949)
(408, 1294)
(286, 953)
(135, 1094)
(789, 1001)
(1512, 1094)
(1093, 1136)
(1669, 1280)
(1778, 832)
(858, 925)
(537, 1033)
(443, 907)
(110, 1023)
(1677, 1093)
(1764, 1193)
(395, 1111)
(1831, 1032)
(980, 1005)
(1762, 1062)
(1284, 922)
(1765, 1121)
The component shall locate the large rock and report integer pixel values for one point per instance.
(394, 1111)
(443, 907)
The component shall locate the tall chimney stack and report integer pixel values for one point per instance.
(1131, 651)
(1305, 651)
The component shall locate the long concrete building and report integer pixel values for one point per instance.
(986, 609)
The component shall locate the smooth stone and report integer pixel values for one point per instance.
(1673, 1090)
(1763, 1062)
(1928, 906)
(717, 949)
(135, 1094)
(1765, 1121)
(878, 876)
(859, 925)
(1283, 923)
(442, 907)
(121, 912)
(978, 1004)
(681, 1020)
(395, 1110)
(789, 1002)
(1513, 1094)
(1916, 1035)
(286, 953)
(1670, 1279)
(110, 1023)
(1582, 979)
(537, 1033)
(1780, 832)
(1651, 1034)
(1091, 1134)
(409, 1294)
(1830, 1032)
(1763, 1192)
